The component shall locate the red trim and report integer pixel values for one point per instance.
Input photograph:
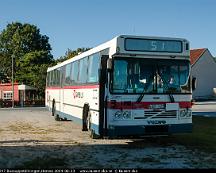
(145, 105)
(81, 87)
(75, 87)
(53, 88)
(185, 104)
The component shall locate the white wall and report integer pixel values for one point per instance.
(205, 72)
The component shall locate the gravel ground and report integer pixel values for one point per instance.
(31, 138)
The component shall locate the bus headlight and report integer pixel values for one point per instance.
(126, 115)
(122, 115)
(185, 113)
(189, 114)
(118, 115)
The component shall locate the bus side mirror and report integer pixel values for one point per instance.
(194, 83)
(109, 64)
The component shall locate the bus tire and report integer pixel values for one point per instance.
(85, 117)
(93, 135)
(57, 118)
(53, 108)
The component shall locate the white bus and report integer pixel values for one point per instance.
(128, 86)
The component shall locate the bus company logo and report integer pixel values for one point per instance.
(77, 94)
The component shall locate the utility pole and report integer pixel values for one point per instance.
(12, 80)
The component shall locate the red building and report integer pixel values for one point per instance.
(23, 94)
(6, 91)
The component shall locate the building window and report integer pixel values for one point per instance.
(7, 95)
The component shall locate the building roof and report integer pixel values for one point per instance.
(8, 84)
(26, 87)
(195, 54)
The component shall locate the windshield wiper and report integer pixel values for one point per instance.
(144, 90)
(172, 100)
(141, 96)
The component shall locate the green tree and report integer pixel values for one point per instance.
(31, 52)
(71, 53)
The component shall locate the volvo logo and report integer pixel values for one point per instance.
(156, 122)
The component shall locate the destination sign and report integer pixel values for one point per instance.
(153, 45)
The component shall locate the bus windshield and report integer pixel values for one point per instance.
(136, 75)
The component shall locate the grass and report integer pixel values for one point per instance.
(203, 136)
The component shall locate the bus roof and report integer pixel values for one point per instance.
(96, 49)
(112, 44)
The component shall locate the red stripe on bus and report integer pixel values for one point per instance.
(81, 87)
(53, 88)
(75, 87)
(145, 105)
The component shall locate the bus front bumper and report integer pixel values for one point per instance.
(115, 131)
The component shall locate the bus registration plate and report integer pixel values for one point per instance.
(157, 106)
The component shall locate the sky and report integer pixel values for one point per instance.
(71, 24)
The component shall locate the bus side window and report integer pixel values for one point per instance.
(67, 81)
(94, 62)
(75, 72)
(57, 77)
(83, 70)
(54, 78)
(48, 79)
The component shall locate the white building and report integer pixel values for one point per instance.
(203, 67)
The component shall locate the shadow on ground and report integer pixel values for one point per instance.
(138, 153)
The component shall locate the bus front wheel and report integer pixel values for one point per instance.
(93, 135)
(85, 118)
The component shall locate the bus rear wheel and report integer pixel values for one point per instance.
(53, 107)
(56, 116)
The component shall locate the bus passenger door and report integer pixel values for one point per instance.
(103, 96)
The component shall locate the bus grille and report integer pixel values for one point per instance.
(158, 114)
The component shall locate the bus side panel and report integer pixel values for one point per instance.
(53, 94)
(74, 100)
